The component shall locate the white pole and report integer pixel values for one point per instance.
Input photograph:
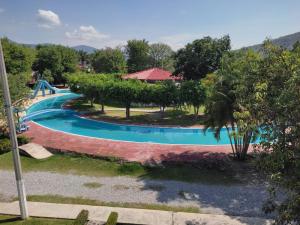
(13, 138)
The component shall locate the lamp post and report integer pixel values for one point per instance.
(13, 138)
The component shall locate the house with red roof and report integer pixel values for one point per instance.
(152, 75)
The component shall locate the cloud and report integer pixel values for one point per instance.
(48, 19)
(2, 10)
(178, 41)
(86, 33)
(89, 35)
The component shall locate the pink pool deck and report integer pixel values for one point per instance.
(129, 151)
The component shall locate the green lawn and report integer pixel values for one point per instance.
(4, 220)
(84, 201)
(83, 165)
(171, 117)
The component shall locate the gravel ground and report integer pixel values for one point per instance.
(235, 200)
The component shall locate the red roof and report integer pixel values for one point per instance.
(154, 74)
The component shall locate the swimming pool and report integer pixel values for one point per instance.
(48, 113)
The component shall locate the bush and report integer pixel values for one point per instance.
(5, 145)
(112, 219)
(82, 218)
(22, 140)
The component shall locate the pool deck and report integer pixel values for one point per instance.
(129, 151)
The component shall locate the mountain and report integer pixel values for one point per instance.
(286, 41)
(84, 48)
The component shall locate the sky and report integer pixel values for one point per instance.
(110, 23)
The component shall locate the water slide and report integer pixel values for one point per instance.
(42, 85)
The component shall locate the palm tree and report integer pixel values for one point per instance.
(219, 110)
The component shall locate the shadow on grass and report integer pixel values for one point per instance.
(10, 220)
(169, 118)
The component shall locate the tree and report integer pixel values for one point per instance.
(200, 57)
(56, 58)
(161, 56)
(274, 106)
(192, 93)
(83, 57)
(18, 91)
(138, 55)
(18, 58)
(126, 92)
(109, 60)
(94, 87)
(224, 108)
(47, 76)
(164, 94)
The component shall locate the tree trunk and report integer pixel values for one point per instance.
(102, 107)
(127, 111)
(196, 111)
(92, 102)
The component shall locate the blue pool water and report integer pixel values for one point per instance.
(48, 113)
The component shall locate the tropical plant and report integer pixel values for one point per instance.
(224, 105)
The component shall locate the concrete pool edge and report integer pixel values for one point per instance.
(129, 151)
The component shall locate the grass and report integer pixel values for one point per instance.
(171, 117)
(93, 185)
(84, 201)
(83, 165)
(4, 220)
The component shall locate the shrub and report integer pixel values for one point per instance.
(112, 219)
(82, 218)
(22, 140)
(5, 145)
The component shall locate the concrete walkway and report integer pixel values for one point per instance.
(126, 215)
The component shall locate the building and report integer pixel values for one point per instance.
(152, 75)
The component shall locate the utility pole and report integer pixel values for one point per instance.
(13, 138)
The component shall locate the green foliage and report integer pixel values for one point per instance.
(18, 91)
(47, 76)
(200, 57)
(161, 56)
(252, 94)
(5, 145)
(126, 92)
(165, 94)
(109, 60)
(192, 93)
(84, 57)
(275, 107)
(95, 87)
(112, 219)
(225, 104)
(56, 58)
(82, 218)
(22, 140)
(138, 55)
(18, 58)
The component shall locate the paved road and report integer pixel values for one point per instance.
(235, 200)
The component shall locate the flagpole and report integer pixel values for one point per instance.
(13, 138)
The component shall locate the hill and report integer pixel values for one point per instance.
(84, 48)
(286, 41)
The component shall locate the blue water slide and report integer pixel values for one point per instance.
(42, 85)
